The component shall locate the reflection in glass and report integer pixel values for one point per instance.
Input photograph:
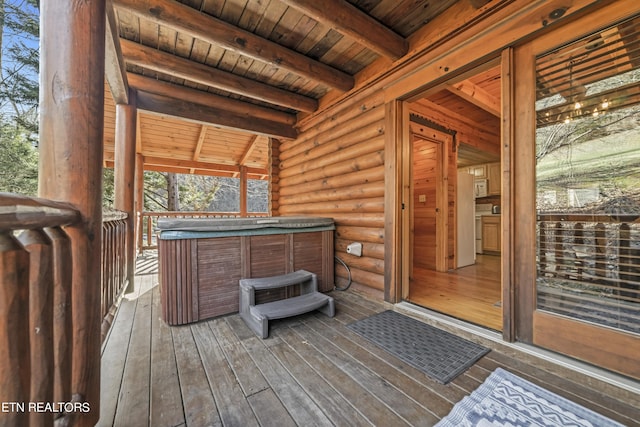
(588, 178)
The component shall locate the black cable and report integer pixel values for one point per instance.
(348, 271)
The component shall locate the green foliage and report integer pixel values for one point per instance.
(19, 162)
(20, 63)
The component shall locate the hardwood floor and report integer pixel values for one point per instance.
(311, 371)
(471, 293)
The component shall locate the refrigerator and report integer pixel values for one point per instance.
(466, 220)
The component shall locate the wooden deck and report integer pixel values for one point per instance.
(311, 371)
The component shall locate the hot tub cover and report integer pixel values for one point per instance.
(176, 228)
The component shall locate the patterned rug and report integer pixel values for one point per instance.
(437, 353)
(507, 400)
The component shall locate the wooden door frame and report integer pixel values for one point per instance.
(568, 336)
(443, 142)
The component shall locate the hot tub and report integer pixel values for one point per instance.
(201, 260)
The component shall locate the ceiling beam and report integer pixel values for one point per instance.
(114, 67)
(477, 96)
(190, 21)
(355, 24)
(250, 147)
(162, 62)
(246, 109)
(200, 142)
(214, 116)
(191, 164)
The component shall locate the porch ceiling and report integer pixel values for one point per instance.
(216, 79)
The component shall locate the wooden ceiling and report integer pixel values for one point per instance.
(216, 79)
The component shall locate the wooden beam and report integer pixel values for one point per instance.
(171, 90)
(153, 59)
(191, 164)
(250, 147)
(210, 115)
(355, 24)
(243, 191)
(203, 134)
(190, 21)
(477, 96)
(125, 176)
(114, 68)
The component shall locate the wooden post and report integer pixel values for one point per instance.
(139, 199)
(125, 177)
(15, 369)
(243, 191)
(72, 55)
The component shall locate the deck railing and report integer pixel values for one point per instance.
(36, 329)
(36, 292)
(589, 268)
(114, 264)
(586, 247)
(148, 222)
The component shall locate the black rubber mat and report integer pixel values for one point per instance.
(437, 353)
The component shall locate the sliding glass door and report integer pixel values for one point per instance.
(584, 298)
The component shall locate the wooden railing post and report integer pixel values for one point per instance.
(15, 369)
(41, 290)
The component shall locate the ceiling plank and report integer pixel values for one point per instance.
(153, 59)
(357, 25)
(114, 68)
(185, 19)
(209, 115)
(477, 96)
(250, 147)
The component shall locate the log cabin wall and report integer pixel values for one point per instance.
(336, 169)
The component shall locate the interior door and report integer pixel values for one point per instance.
(578, 205)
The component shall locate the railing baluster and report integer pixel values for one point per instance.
(62, 325)
(41, 287)
(15, 370)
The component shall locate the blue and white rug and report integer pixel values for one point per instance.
(508, 400)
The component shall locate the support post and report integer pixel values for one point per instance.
(243, 191)
(139, 199)
(125, 176)
(72, 55)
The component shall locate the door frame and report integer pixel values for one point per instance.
(444, 143)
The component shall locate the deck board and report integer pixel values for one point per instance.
(312, 370)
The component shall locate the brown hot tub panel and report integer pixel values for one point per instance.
(203, 260)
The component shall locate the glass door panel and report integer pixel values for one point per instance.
(588, 179)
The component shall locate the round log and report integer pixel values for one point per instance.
(305, 142)
(324, 208)
(351, 165)
(363, 191)
(357, 234)
(345, 180)
(360, 219)
(365, 278)
(362, 134)
(373, 250)
(365, 101)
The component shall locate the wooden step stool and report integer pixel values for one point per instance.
(257, 316)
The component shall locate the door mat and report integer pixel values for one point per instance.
(504, 399)
(439, 354)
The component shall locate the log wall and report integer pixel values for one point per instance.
(336, 169)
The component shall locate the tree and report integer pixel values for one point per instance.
(19, 64)
(18, 162)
